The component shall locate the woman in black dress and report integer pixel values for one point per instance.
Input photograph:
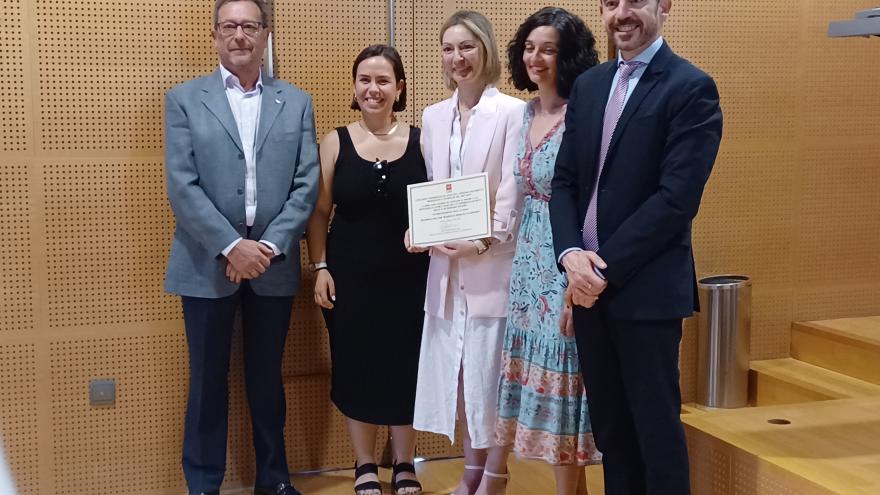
(371, 289)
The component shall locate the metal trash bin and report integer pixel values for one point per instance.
(723, 335)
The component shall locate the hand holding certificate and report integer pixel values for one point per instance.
(449, 210)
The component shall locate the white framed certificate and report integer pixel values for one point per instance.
(449, 210)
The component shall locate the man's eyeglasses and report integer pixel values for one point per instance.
(380, 168)
(229, 28)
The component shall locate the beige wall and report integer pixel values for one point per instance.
(793, 201)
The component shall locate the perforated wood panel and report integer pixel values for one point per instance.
(86, 226)
(748, 214)
(746, 225)
(834, 111)
(738, 43)
(316, 45)
(719, 465)
(134, 446)
(837, 256)
(717, 468)
(105, 64)
(16, 293)
(18, 415)
(687, 362)
(108, 227)
(13, 115)
(427, 82)
(404, 27)
(307, 350)
(790, 198)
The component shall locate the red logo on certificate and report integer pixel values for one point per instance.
(448, 187)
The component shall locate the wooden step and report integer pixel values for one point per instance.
(789, 381)
(848, 345)
(826, 447)
(693, 408)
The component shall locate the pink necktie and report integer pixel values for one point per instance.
(612, 114)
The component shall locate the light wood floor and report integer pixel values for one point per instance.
(441, 476)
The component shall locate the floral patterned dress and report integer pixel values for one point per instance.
(542, 404)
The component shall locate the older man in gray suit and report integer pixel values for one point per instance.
(242, 170)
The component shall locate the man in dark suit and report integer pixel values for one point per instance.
(242, 168)
(642, 133)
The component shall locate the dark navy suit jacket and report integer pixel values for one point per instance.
(658, 163)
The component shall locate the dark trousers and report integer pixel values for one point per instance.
(209, 324)
(631, 375)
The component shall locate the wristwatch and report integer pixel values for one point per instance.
(482, 245)
(318, 265)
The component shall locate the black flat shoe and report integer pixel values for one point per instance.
(404, 467)
(279, 489)
(369, 468)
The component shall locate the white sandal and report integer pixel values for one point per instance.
(473, 468)
(505, 477)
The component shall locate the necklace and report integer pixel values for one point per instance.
(390, 131)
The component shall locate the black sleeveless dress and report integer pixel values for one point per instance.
(376, 323)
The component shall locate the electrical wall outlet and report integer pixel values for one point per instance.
(102, 392)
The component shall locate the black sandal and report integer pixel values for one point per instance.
(369, 468)
(404, 467)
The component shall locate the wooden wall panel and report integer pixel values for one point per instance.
(687, 362)
(748, 214)
(18, 415)
(17, 291)
(758, 215)
(107, 232)
(836, 84)
(13, 110)
(134, 446)
(404, 41)
(717, 468)
(104, 66)
(746, 225)
(317, 43)
(795, 182)
(793, 202)
(837, 257)
(741, 45)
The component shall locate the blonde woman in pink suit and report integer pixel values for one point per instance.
(472, 132)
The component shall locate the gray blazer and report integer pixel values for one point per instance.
(205, 175)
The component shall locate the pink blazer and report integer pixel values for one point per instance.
(495, 126)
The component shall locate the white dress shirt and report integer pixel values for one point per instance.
(245, 106)
(645, 57)
(457, 144)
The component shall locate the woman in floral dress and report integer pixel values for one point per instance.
(542, 404)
